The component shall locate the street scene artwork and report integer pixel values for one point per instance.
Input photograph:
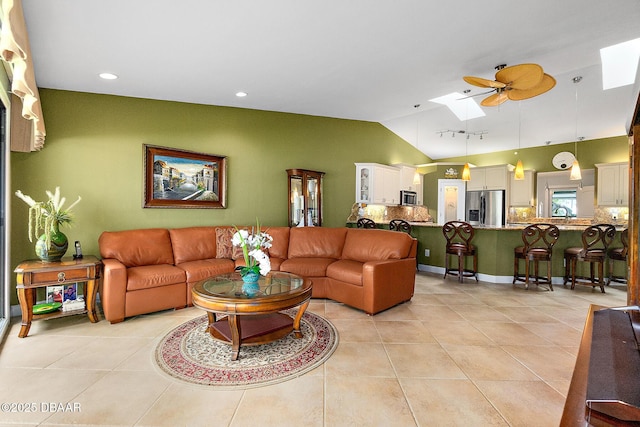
(182, 179)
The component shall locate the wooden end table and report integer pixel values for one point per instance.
(33, 274)
(252, 312)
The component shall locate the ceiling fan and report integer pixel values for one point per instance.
(516, 82)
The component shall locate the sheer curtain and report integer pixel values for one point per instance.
(14, 49)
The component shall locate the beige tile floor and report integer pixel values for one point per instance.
(458, 354)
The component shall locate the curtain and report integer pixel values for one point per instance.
(14, 49)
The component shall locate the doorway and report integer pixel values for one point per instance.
(451, 200)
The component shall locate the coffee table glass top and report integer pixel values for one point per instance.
(230, 285)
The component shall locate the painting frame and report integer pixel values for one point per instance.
(175, 178)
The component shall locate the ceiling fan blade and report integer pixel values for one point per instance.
(494, 100)
(479, 81)
(545, 85)
(521, 77)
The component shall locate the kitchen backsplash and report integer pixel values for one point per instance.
(382, 214)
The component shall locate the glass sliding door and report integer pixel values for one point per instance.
(4, 251)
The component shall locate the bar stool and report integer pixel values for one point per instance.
(595, 241)
(400, 225)
(459, 235)
(538, 246)
(365, 223)
(619, 254)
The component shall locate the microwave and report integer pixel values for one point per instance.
(408, 198)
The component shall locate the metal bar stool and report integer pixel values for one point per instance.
(365, 223)
(595, 242)
(619, 254)
(538, 246)
(459, 235)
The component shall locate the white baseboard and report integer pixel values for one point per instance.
(484, 277)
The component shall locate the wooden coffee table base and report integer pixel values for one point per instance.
(255, 318)
(254, 329)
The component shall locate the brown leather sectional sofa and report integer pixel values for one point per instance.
(148, 270)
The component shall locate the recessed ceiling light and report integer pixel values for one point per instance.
(108, 76)
(241, 94)
(620, 64)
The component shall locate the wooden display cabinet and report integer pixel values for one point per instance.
(305, 197)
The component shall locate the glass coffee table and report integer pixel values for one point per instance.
(252, 311)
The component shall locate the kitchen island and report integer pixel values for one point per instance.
(495, 245)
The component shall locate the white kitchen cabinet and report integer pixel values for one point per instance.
(613, 184)
(420, 190)
(521, 190)
(407, 177)
(377, 184)
(488, 178)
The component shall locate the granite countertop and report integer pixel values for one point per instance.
(511, 226)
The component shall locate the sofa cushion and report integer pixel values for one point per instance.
(224, 245)
(193, 243)
(152, 276)
(316, 242)
(347, 271)
(280, 244)
(150, 246)
(365, 245)
(307, 267)
(202, 269)
(224, 248)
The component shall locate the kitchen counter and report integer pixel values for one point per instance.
(495, 247)
(569, 226)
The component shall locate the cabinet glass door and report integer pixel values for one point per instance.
(296, 201)
(305, 198)
(314, 208)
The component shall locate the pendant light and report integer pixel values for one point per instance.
(519, 173)
(576, 175)
(466, 172)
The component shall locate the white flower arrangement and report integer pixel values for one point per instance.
(252, 243)
(44, 217)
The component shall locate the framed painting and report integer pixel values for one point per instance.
(183, 179)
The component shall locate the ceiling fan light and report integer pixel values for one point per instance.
(519, 173)
(466, 172)
(576, 175)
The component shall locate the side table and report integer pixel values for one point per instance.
(33, 274)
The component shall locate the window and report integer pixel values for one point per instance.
(564, 204)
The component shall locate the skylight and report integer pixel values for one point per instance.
(464, 108)
(620, 64)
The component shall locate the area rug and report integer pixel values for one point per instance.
(189, 354)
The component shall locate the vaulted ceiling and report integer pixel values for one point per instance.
(369, 60)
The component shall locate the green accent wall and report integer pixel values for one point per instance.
(94, 148)
(604, 150)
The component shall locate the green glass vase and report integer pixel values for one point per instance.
(56, 249)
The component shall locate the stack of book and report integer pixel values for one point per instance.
(69, 305)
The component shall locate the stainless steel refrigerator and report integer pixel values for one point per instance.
(485, 208)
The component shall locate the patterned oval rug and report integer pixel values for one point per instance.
(188, 353)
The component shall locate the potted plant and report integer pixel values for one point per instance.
(45, 219)
(256, 261)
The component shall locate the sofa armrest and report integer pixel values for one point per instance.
(387, 283)
(113, 290)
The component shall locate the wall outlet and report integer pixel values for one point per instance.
(427, 252)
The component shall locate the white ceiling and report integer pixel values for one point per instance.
(369, 60)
